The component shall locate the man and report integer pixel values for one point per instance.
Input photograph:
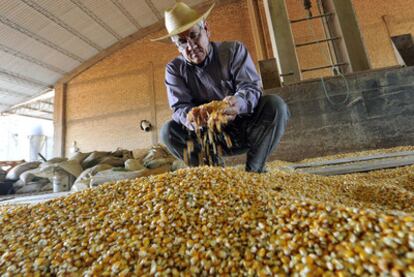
(207, 71)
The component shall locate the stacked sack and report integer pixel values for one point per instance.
(33, 177)
(100, 168)
(22, 179)
(85, 170)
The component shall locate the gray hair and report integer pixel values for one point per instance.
(200, 24)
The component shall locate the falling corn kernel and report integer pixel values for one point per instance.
(208, 139)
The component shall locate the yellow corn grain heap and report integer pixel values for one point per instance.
(204, 221)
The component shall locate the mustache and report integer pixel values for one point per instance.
(196, 52)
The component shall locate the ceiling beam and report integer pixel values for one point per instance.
(125, 12)
(20, 79)
(32, 109)
(109, 51)
(30, 59)
(10, 92)
(96, 18)
(26, 115)
(61, 23)
(46, 102)
(39, 39)
(34, 104)
(126, 41)
(154, 9)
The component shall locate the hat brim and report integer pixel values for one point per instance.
(185, 27)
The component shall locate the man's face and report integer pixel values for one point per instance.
(193, 44)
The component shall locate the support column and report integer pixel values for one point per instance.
(257, 30)
(153, 105)
(59, 120)
(282, 40)
(350, 48)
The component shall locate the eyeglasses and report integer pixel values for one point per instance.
(182, 43)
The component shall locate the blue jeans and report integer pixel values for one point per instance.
(256, 134)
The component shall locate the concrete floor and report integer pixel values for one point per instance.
(31, 199)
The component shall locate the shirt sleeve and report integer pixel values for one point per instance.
(247, 81)
(179, 96)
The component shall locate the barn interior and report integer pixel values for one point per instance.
(88, 187)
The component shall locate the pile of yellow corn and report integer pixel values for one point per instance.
(208, 221)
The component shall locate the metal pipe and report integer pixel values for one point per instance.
(316, 41)
(326, 33)
(310, 18)
(323, 67)
(286, 74)
(25, 115)
(30, 108)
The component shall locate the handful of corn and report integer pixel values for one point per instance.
(208, 140)
(214, 111)
(203, 221)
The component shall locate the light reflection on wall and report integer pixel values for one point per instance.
(22, 137)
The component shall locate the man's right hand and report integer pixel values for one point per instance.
(233, 109)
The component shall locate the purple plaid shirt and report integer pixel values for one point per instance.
(227, 70)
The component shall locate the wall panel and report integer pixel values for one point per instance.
(105, 112)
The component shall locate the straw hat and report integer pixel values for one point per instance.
(180, 18)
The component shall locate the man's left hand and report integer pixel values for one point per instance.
(233, 109)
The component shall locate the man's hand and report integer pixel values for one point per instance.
(233, 109)
(200, 116)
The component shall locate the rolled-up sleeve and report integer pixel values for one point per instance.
(246, 80)
(179, 96)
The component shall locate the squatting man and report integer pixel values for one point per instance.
(206, 71)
